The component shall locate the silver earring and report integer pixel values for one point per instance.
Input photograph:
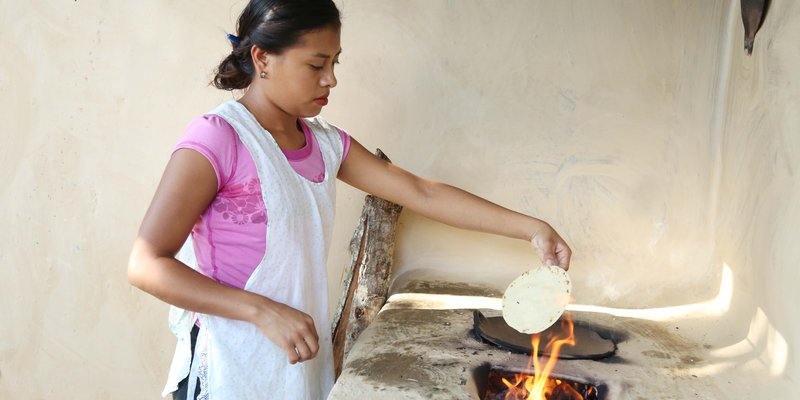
(262, 75)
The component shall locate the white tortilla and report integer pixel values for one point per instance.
(536, 299)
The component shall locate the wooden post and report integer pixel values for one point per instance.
(365, 282)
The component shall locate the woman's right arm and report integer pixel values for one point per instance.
(187, 187)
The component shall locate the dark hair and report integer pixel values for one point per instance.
(274, 26)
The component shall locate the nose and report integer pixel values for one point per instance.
(328, 80)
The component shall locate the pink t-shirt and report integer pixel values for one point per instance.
(230, 235)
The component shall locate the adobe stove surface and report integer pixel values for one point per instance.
(417, 348)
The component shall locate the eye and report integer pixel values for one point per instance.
(316, 67)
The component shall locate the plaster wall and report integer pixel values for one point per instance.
(757, 213)
(593, 116)
(656, 152)
(94, 94)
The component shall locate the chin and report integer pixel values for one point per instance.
(311, 112)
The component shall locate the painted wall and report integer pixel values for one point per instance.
(656, 152)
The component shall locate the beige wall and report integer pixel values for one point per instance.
(638, 129)
(758, 207)
(592, 115)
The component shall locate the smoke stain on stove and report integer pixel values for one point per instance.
(668, 345)
(415, 317)
(667, 341)
(691, 360)
(449, 288)
(393, 368)
(615, 335)
(615, 359)
(656, 354)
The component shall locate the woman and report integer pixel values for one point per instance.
(253, 182)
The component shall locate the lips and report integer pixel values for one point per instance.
(321, 100)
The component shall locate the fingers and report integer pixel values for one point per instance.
(304, 344)
(303, 350)
(292, 356)
(546, 249)
(552, 250)
(313, 344)
(291, 330)
(564, 254)
(312, 328)
(548, 255)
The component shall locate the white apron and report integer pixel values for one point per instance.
(233, 359)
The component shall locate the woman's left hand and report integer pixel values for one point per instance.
(552, 249)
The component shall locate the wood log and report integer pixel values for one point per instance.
(365, 282)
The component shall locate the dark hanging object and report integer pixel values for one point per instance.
(753, 14)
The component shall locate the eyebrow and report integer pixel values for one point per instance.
(323, 55)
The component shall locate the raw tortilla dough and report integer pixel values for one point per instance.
(536, 299)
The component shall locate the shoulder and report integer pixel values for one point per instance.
(212, 133)
(213, 137)
(209, 127)
(321, 125)
(331, 132)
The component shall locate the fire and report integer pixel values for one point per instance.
(539, 386)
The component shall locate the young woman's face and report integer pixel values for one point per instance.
(300, 79)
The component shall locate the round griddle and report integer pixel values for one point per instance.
(588, 344)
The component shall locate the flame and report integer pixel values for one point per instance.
(539, 386)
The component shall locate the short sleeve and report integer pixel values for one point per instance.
(214, 138)
(345, 142)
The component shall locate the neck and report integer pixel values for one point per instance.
(271, 117)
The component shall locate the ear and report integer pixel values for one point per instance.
(260, 58)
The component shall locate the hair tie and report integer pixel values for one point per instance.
(235, 40)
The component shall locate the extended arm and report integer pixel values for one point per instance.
(450, 205)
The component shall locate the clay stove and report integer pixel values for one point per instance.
(422, 346)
